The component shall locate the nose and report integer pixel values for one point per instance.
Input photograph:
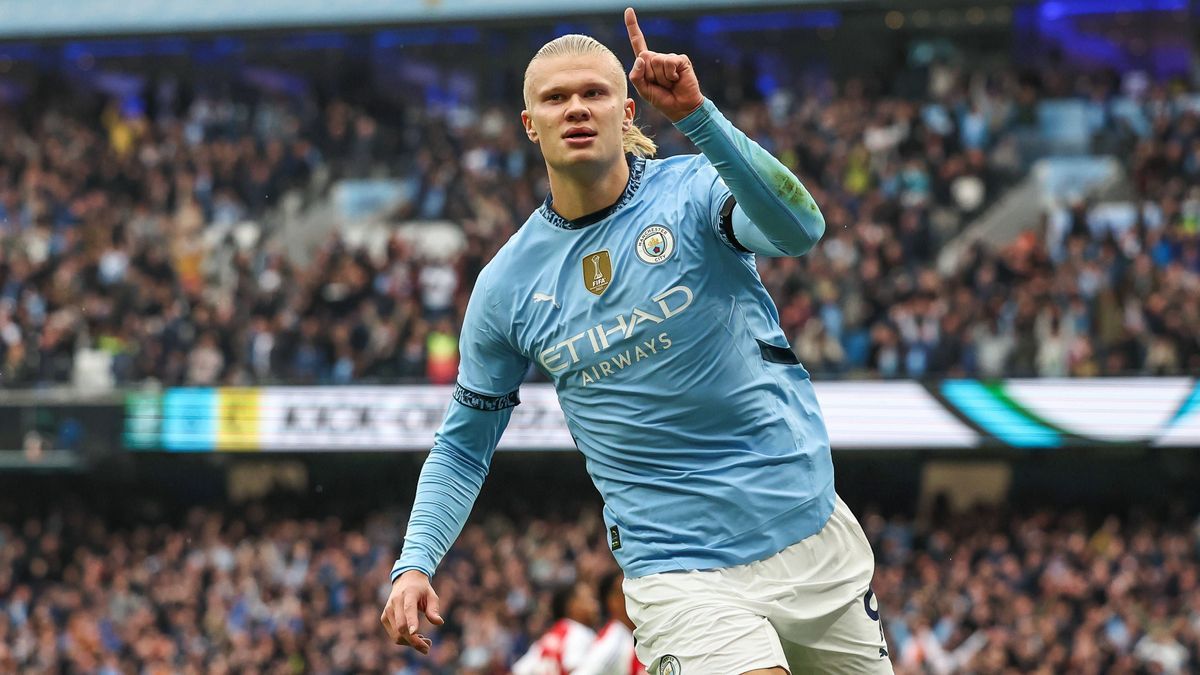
(577, 110)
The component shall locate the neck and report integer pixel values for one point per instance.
(588, 189)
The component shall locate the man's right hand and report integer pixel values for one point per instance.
(411, 594)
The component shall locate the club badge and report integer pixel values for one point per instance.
(655, 244)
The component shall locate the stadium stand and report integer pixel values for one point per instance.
(137, 248)
(989, 591)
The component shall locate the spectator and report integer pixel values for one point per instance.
(565, 645)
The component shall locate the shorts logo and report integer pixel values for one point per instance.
(669, 665)
(872, 612)
(597, 272)
(655, 244)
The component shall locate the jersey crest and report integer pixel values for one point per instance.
(655, 244)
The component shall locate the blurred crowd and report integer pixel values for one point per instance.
(1047, 592)
(1068, 297)
(141, 243)
(145, 244)
(987, 592)
(254, 594)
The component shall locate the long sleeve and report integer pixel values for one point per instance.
(490, 371)
(450, 481)
(771, 211)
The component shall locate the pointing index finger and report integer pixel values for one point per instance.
(635, 32)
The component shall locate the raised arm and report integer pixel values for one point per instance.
(771, 211)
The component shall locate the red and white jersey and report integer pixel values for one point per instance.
(612, 653)
(559, 652)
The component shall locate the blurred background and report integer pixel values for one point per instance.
(237, 240)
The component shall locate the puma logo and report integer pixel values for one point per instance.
(542, 297)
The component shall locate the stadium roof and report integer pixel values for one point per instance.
(36, 18)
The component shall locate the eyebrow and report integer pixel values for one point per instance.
(588, 84)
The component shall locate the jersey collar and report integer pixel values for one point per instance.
(636, 166)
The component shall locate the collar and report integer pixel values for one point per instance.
(637, 166)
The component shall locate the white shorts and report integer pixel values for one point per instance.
(808, 608)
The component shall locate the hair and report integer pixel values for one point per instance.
(561, 600)
(634, 140)
(611, 583)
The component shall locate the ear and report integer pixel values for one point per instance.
(630, 109)
(527, 122)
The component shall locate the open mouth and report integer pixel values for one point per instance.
(579, 134)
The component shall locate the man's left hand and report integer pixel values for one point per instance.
(666, 81)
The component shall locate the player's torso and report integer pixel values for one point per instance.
(652, 330)
(646, 318)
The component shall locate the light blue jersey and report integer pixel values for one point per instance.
(700, 428)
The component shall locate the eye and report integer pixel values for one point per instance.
(554, 98)
(593, 93)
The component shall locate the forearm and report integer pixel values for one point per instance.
(781, 213)
(449, 484)
(445, 493)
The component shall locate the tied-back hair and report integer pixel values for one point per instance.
(634, 140)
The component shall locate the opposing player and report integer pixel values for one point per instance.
(562, 650)
(612, 653)
(634, 289)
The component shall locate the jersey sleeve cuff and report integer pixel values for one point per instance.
(477, 401)
(400, 567)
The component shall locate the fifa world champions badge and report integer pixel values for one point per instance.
(597, 272)
(655, 244)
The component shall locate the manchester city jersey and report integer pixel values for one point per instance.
(699, 426)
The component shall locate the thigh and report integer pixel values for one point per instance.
(849, 642)
(830, 621)
(688, 624)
